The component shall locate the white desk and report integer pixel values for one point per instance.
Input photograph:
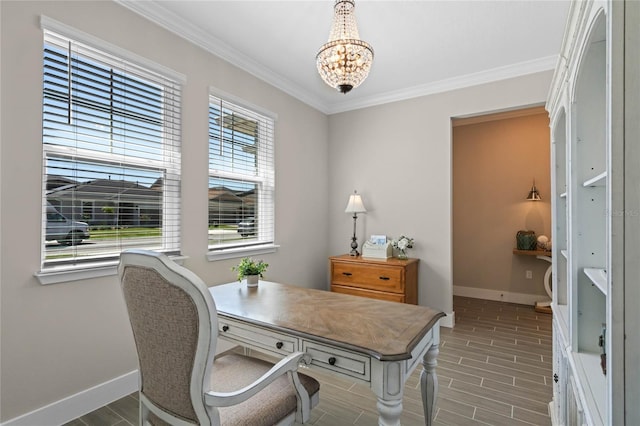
(374, 342)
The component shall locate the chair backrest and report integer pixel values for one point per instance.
(172, 316)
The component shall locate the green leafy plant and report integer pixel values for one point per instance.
(248, 266)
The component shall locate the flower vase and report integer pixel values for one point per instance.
(252, 280)
(402, 255)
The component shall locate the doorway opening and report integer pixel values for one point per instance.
(496, 159)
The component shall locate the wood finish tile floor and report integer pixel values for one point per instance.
(494, 368)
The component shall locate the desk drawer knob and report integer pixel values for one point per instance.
(332, 361)
(384, 278)
(348, 274)
(225, 328)
(279, 345)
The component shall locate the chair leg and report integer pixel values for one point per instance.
(303, 412)
(144, 412)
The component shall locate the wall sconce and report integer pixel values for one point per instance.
(534, 195)
(355, 206)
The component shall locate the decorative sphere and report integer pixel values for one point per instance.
(544, 243)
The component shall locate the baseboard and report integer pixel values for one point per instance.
(503, 296)
(552, 414)
(449, 321)
(74, 406)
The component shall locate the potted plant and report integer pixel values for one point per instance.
(250, 270)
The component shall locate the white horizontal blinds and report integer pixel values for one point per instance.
(111, 144)
(241, 176)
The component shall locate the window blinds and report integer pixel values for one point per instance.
(111, 152)
(241, 176)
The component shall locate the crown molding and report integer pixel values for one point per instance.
(488, 76)
(156, 13)
(168, 20)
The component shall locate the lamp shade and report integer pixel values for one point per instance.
(355, 204)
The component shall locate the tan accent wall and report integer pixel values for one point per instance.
(495, 159)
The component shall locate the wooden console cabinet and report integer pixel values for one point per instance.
(391, 279)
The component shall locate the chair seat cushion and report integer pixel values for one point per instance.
(234, 371)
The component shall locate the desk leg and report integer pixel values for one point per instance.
(387, 383)
(389, 412)
(429, 383)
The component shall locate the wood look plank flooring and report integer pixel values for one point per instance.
(494, 368)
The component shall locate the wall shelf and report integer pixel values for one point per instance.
(598, 277)
(590, 373)
(599, 180)
(562, 312)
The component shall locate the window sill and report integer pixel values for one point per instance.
(237, 252)
(63, 274)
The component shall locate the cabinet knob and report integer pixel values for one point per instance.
(384, 278)
(332, 361)
(279, 345)
(225, 328)
(348, 274)
(555, 378)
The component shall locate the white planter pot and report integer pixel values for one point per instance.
(252, 280)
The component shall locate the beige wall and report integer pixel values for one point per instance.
(61, 339)
(494, 163)
(398, 156)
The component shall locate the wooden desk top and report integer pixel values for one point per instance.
(385, 330)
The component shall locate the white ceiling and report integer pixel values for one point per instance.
(420, 47)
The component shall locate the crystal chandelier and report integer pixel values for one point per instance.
(344, 61)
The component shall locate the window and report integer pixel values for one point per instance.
(111, 155)
(241, 177)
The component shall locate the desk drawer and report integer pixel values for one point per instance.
(257, 337)
(381, 278)
(338, 360)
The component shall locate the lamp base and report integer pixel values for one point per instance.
(354, 247)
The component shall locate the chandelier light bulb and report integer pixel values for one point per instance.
(345, 60)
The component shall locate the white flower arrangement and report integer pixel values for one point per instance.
(401, 244)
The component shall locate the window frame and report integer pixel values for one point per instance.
(264, 179)
(106, 263)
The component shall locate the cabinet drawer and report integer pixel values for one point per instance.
(381, 278)
(265, 339)
(338, 360)
(393, 297)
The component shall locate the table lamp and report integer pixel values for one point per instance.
(355, 206)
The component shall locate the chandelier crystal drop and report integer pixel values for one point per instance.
(345, 60)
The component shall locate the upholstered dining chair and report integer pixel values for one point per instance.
(174, 322)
